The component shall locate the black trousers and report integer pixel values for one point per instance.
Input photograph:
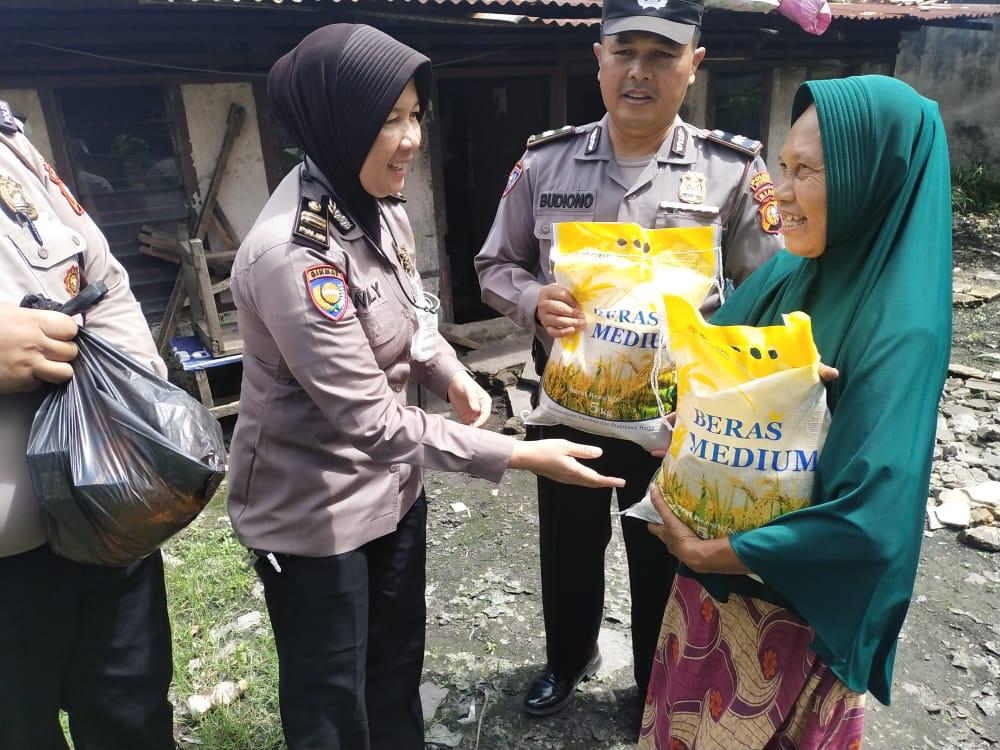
(92, 640)
(574, 531)
(349, 631)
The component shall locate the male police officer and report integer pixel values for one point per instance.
(93, 641)
(640, 164)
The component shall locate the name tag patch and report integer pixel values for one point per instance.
(327, 289)
(568, 200)
(367, 297)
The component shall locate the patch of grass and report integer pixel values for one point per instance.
(211, 586)
(974, 189)
(614, 389)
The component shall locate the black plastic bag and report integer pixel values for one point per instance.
(120, 459)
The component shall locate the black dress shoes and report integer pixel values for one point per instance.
(550, 692)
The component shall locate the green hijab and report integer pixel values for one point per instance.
(880, 301)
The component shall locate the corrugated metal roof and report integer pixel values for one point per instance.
(875, 11)
(844, 11)
(850, 11)
(588, 4)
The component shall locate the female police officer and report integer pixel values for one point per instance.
(334, 324)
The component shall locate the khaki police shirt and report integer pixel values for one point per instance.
(692, 181)
(73, 251)
(322, 453)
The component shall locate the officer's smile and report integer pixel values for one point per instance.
(637, 96)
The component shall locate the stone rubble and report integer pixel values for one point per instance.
(965, 479)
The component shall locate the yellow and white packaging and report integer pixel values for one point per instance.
(751, 421)
(600, 379)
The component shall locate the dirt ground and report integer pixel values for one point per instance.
(485, 638)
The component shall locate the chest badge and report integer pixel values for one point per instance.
(693, 188)
(406, 260)
(327, 290)
(15, 200)
(71, 281)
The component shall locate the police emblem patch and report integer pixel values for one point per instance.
(327, 289)
(71, 281)
(770, 217)
(512, 178)
(760, 180)
(693, 188)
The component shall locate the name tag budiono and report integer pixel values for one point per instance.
(567, 200)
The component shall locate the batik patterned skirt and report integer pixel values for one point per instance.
(741, 676)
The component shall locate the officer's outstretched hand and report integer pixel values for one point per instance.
(35, 346)
(558, 312)
(556, 460)
(471, 403)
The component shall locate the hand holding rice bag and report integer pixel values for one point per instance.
(600, 379)
(751, 421)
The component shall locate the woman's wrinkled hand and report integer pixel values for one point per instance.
(472, 404)
(557, 460)
(678, 538)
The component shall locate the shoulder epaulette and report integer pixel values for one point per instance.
(8, 123)
(311, 225)
(739, 143)
(550, 135)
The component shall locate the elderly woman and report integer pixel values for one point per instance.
(335, 322)
(783, 659)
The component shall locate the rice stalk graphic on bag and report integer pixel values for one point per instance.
(751, 420)
(600, 379)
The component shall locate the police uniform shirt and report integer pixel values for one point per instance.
(322, 452)
(697, 178)
(65, 250)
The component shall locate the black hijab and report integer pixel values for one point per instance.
(332, 93)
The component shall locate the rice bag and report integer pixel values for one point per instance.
(751, 421)
(600, 380)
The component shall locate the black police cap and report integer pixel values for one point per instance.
(674, 19)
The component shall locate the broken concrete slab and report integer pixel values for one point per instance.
(982, 537)
(501, 355)
(964, 371)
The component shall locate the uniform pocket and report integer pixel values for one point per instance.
(59, 244)
(545, 229)
(379, 325)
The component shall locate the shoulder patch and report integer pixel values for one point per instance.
(327, 289)
(739, 143)
(512, 178)
(550, 135)
(310, 224)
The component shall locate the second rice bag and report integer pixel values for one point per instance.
(751, 421)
